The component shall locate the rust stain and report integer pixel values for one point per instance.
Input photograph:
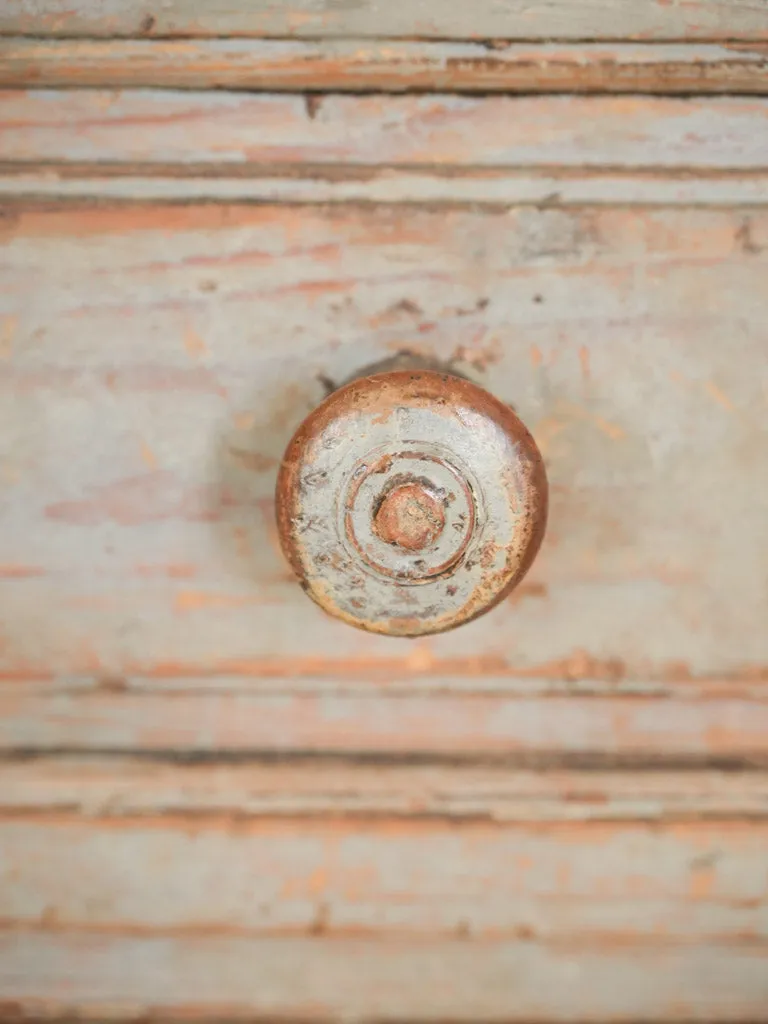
(244, 421)
(317, 882)
(150, 497)
(21, 572)
(255, 462)
(11, 473)
(194, 344)
(288, 406)
(480, 357)
(567, 416)
(536, 357)
(202, 600)
(173, 571)
(410, 516)
(147, 455)
(611, 430)
(7, 334)
(242, 543)
(88, 657)
(266, 507)
(197, 380)
(300, 19)
(702, 882)
(526, 591)
(584, 360)
(421, 657)
(392, 314)
(715, 392)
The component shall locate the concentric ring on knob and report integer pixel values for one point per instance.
(409, 514)
(410, 502)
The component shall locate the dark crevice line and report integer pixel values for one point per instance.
(566, 941)
(363, 172)
(73, 813)
(35, 202)
(12, 1012)
(491, 43)
(554, 760)
(466, 91)
(369, 92)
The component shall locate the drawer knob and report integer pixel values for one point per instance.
(410, 502)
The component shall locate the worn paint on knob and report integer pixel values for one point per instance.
(410, 515)
(411, 502)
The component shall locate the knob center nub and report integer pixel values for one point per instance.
(410, 517)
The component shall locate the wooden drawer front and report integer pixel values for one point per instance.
(216, 802)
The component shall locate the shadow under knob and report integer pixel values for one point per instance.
(409, 503)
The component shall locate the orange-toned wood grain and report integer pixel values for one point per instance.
(599, 730)
(391, 66)
(219, 977)
(214, 802)
(442, 19)
(585, 881)
(339, 787)
(426, 186)
(225, 128)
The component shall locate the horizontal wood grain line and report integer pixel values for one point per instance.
(377, 679)
(486, 725)
(111, 978)
(320, 928)
(580, 187)
(442, 19)
(127, 786)
(593, 762)
(365, 65)
(682, 881)
(188, 127)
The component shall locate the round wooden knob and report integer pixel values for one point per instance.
(411, 502)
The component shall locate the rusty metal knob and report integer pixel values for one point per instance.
(411, 502)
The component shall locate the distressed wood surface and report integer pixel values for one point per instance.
(208, 790)
(198, 128)
(488, 187)
(681, 729)
(149, 547)
(221, 977)
(337, 787)
(563, 882)
(392, 66)
(442, 19)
